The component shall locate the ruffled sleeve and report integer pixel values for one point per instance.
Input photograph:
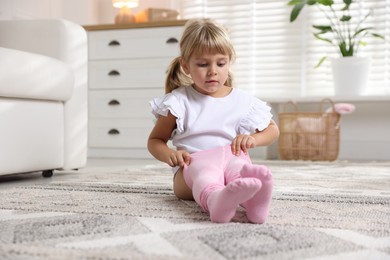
(169, 102)
(258, 118)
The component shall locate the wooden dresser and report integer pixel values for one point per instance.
(127, 67)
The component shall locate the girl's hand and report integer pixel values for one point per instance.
(242, 142)
(179, 158)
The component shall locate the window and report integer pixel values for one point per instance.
(277, 58)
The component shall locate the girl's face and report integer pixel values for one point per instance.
(209, 71)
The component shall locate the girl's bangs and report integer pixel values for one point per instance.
(213, 45)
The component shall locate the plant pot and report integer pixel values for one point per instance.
(350, 75)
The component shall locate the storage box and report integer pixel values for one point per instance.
(155, 14)
(310, 136)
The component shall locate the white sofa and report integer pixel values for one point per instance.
(43, 96)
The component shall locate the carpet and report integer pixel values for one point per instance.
(321, 210)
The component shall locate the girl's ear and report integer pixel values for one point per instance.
(184, 65)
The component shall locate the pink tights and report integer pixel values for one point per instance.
(220, 181)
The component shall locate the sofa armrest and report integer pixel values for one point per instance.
(67, 42)
(28, 75)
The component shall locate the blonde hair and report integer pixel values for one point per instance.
(199, 36)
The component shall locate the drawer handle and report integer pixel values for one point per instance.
(114, 102)
(114, 43)
(113, 132)
(172, 40)
(114, 73)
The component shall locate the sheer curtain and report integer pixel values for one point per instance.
(276, 58)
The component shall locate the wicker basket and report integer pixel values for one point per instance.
(310, 136)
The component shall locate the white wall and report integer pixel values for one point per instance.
(78, 11)
(365, 134)
(84, 12)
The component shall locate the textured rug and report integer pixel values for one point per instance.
(327, 211)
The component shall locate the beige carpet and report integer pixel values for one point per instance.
(319, 211)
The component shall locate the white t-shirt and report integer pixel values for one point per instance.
(204, 122)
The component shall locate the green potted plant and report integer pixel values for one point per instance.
(344, 32)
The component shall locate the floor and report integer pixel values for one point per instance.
(10, 181)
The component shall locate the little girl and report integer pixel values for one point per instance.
(212, 125)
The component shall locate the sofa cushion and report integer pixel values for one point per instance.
(33, 76)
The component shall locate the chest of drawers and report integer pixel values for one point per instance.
(127, 67)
